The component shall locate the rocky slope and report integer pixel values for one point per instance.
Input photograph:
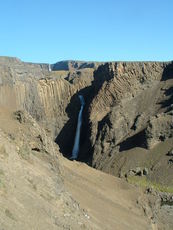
(41, 190)
(32, 192)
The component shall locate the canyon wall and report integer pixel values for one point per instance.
(45, 95)
(131, 111)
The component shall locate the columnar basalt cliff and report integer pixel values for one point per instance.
(131, 111)
(45, 95)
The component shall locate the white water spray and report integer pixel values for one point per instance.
(75, 150)
(50, 68)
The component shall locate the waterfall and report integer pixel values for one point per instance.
(50, 68)
(75, 150)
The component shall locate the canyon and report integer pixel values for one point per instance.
(127, 132)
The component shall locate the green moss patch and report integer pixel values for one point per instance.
(145, 183)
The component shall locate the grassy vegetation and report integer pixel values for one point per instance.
(1, 172)
(3, 151)
(145, 183)
(24, 152)
(2, 185)
(9, 214)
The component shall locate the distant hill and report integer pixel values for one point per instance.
(74, 65)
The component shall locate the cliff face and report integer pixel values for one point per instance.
(131, 110)
(45, 95)
(129, 91)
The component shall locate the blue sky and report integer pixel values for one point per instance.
(100, 30)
